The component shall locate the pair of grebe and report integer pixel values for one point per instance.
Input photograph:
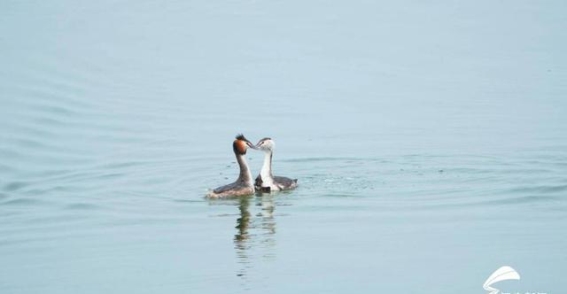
(265, 182)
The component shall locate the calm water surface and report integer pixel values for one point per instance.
(429, 139)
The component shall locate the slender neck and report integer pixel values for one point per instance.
(267, 166)
(245, 175)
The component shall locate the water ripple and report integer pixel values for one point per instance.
(550, 189)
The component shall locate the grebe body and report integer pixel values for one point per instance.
(266, 181)
(243, 185)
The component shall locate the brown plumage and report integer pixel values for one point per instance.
(243, 185)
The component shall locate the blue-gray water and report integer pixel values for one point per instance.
(429, 139)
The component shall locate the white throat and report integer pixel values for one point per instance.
(266, 171)
(245, 174)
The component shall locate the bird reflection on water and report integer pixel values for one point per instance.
(242, 223)
(255, 235)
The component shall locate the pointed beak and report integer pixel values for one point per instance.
(251, 145)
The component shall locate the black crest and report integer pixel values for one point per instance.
(241, 137)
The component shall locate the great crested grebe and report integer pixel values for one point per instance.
(266, 181)
(243, 185)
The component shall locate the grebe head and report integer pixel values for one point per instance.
(241, 144)
(266, 144)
